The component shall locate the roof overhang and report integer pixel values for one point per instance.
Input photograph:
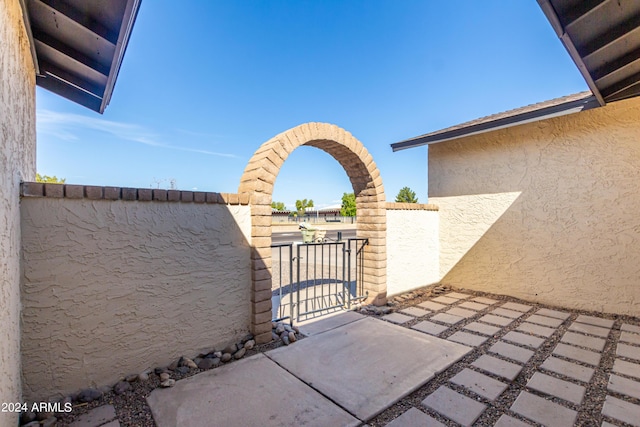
(603, 39)
(78, 46)
(541, 111)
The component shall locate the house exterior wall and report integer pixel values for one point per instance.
(113, 287)
(412, 246)
(17, 162)
(545, 211)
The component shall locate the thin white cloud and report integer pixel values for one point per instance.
(66, 126)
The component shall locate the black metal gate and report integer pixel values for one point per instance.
(314, 279)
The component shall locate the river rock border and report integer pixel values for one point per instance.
(163, 377)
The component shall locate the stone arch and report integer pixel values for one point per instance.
(258, 180)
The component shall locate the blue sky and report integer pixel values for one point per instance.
(204, 83)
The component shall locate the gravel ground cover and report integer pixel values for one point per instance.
(589, 411)
(132, 410)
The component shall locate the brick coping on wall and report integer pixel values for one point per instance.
(70, 191)
(411, 206)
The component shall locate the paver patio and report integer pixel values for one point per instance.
(355, 369)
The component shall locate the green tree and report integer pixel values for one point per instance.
(50, 179)
(406, 195)
(302, 205)
(279, 206)
(348, 204)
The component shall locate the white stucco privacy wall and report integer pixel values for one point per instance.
(17, 162)
(545, 211)
(113, 287)
(413, 258)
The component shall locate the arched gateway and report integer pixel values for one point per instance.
(258, 180)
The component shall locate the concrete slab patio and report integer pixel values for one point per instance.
(367, 365)
(287, 386)
(252, 392)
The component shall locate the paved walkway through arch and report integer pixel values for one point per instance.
(511, 364)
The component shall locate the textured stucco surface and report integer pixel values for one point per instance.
(546, 211)
(412, 249)
(114, 287)
(17, 162)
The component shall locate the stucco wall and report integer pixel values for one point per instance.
(114, 287)
(546, 211)
(17, 161)
(412, 246)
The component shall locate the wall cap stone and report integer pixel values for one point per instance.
(411, 206)
(91, 192)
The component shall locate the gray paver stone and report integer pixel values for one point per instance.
(449, 319)
(595, 321)
(553, 313)
(454, 406)
(630, 328)
(546, 321)
(543, 411)
(512, 314)
(95, 417)
(575, 353)
(507, 421)
(593, 343)
(542, 331)
(568, 369)
(524, 339)
(467, 339)
(445, 300)
(626, 368)
(433, 306)
(630, 338)
(590, 329)
(473, 305)
(498, 367)
(397, 318)
(429, 327)
(414, 311)
(621, 410)
(624, 386)
(415, 418)
(484, 300)
(461, 312)
(479, 384)
(458, 295)
(495, 320)
(517, 307)
(511, 351)
(628, 351)
(562, 389)
(481, 328)
(530, 328)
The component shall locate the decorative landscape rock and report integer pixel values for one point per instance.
(238, 354)
(249, 344)
(121, 387)
(231, 348)
(189, 363)
(131, 378)
(208, 363)
(226, 357)
(89, 395)
(164, 376)
(168, 383)
(143, 376)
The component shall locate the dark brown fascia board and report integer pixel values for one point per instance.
(504, 122)
(130, 14)
(27, 25)
(555, 22)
